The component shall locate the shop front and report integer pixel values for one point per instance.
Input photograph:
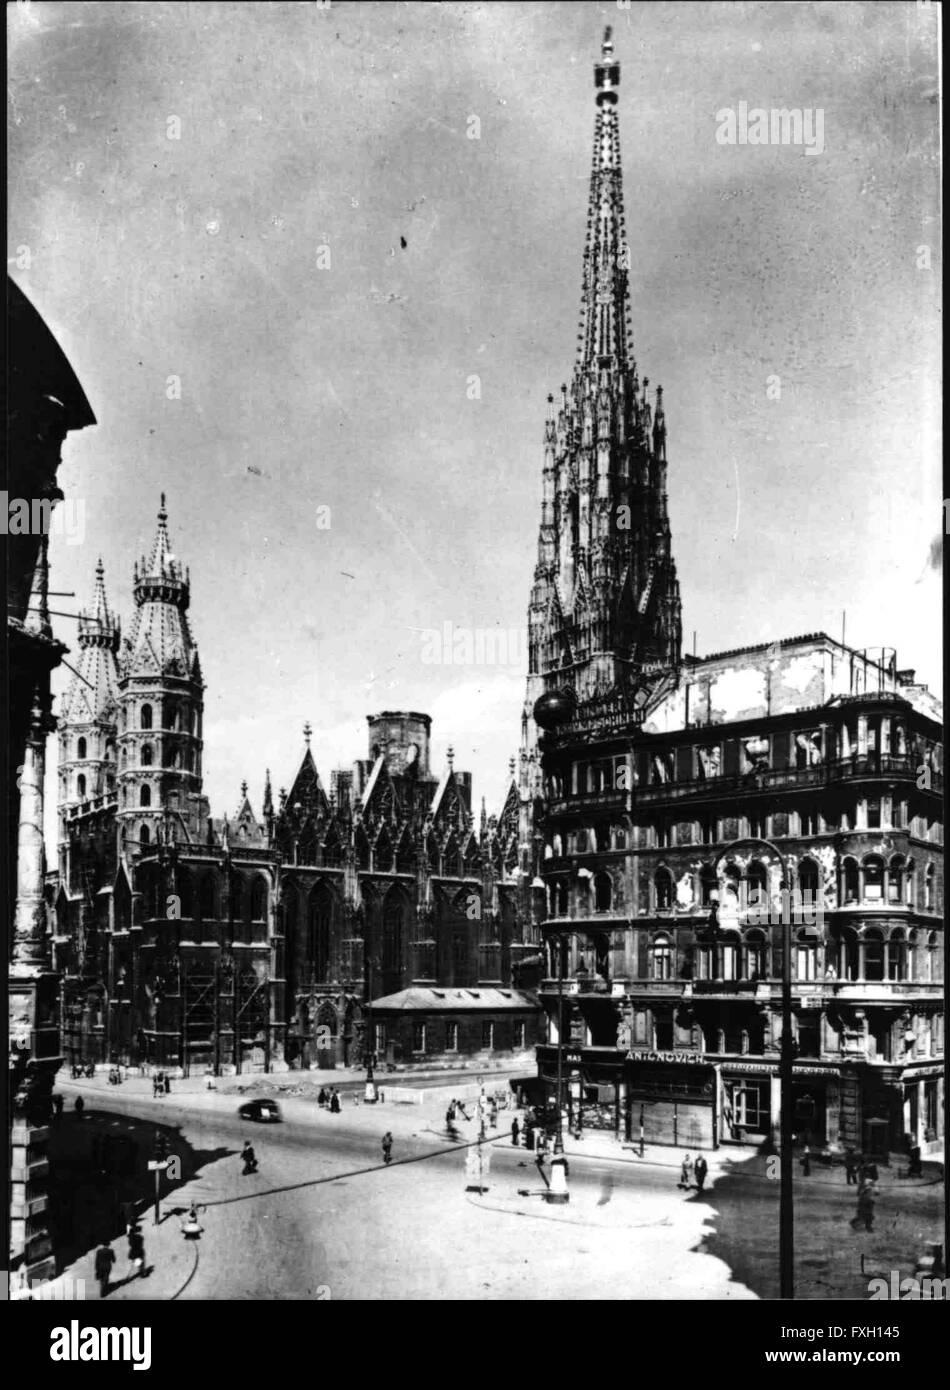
(670, 1099)
(825, 1104)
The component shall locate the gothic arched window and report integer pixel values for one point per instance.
(663, 880)
(145, 796)
(319, 931)
(259, 900)
(144, 836)
(81, 787)
(80, 748)
(146, 755)
(145, 718)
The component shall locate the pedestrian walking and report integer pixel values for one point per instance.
(105, 1259)
(850, 1168)
(80, 1107)
(136, 1251)
(865, 1211)
(249, 1157)
(450, 1129)
(322, 1098)
(335, 1102)
(700, 1168)
(387, 1147)
(686, 1173)
(58, 1106)
(806, 1162)
(167, 1083)
(494, 1115)
(515, 1132)
(528, 1136)
(915, 1170)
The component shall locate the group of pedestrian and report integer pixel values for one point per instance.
(115, 1076)
(329, 1100)
(106, 1258)
(161, 1084)
(80, 1069)
(691, 1170)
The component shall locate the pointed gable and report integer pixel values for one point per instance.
(307, 790)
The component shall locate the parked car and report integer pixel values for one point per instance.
(266, 1111)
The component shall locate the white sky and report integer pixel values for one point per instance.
(346, 387)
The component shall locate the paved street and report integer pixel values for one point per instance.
(324, 1212)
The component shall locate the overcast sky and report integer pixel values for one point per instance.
(324, 258)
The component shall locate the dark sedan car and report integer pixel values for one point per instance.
(266, 1111)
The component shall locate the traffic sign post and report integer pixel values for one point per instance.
(158, 1164)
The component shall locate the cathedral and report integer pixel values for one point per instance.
(684, 801)
(368, 916)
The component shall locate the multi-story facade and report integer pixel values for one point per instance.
(258, 943)
(677, 797)
(46, 403)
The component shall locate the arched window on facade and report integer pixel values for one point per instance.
(873, 955)
(145, 795)
(144, 836)
(80, 747)
(708, 885)
(146, 755)
(873, 879)
(661, 959)
(207, 899)
(895, 880)
(393, 924)
(81, 786)
(562, 895)
(849, 881)
(755, 965)
(896, 956)
(808, 881)
(145, 717)
(757, 885)
(620, 838)
(184, 886)
(319, 931)
(933, 962)
(259, 900)
(663, 884)
(806, 957)
(929, 881)
(603, 892)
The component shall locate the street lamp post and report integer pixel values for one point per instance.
(558, 1191)
(370, 1095)
(786, 1224)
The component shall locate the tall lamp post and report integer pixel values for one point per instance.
(370, 1094)
(786, 1227)
(558, 1191)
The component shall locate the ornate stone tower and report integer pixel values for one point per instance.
(89, 713)
(604, 616)
(160, 707)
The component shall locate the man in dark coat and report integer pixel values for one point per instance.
(249, 1157)
(700, 1169)
(105, 1259)
(515, 1131)
(387, 1147)
(335, 1102)
(851, 1168)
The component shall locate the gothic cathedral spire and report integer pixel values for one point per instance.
(604, 616)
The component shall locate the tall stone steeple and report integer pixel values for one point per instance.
(604, 616)
(161, 705)
(89, 712)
